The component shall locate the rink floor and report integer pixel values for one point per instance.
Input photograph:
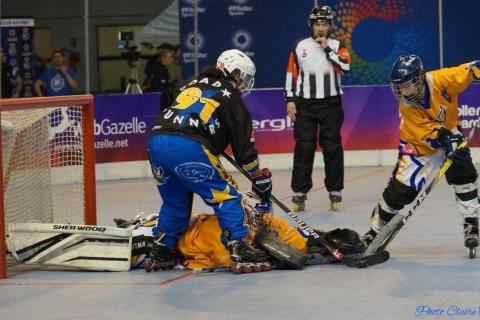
(428, 268)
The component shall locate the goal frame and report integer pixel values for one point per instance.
(86, 101)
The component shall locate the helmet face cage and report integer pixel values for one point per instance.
(321, 13)
(407, 72)
(245, 81)
(413, 98)
(239, 67)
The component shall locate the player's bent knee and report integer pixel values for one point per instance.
(397, 195)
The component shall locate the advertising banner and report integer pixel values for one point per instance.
(17, 44)
(122, 125)
(123, 122)
(375, 32)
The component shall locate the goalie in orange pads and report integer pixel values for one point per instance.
(200, 246)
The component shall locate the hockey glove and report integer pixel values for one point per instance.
(462, 155)
(262, 183)
(450, 142)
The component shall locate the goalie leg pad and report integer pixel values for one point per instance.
(73, 246)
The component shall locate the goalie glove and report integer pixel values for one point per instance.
(262, 184)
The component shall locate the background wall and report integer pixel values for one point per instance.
(64, 18)
(375, 31)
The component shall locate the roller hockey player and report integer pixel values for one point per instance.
(200, 247)
(207, 115)
(430, 132)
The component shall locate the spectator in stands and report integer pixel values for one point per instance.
(7, 75)
(59, 80)
(157, 76)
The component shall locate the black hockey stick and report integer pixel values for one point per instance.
(354, 261)
(390, 230)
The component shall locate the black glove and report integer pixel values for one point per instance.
(449, 142)
(262, 184)
(462, 155)
(347, 241)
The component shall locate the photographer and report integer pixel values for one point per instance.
(157, 76)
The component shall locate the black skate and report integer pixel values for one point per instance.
(299, 201)
(246, 258)
(470, 230)
(335, 199)
(160, 257)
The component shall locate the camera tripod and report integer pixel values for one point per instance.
(133, 86)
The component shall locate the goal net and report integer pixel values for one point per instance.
(47, 156)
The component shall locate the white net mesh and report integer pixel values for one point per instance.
(43, 165)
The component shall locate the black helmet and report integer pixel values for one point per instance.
(320, 13)
(407, 69)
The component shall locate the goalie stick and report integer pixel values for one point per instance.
(353, 261)
(390, 230)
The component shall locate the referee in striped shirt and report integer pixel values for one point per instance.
(313, 94)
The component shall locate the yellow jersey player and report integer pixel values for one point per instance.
(430, 132)
(200, 247)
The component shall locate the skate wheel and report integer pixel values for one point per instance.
(235, 269)
(472, 252)
(298, 207)
(246, 269)
(257, 269)
(266, 267)
(148, 265)
(334, 206)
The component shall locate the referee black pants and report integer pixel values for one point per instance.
(322, 118)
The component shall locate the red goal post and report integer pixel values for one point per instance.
(47, 156)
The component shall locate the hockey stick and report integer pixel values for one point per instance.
(354, 261)
(390, 230)
(211, 270)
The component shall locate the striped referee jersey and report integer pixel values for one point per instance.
(313, 72)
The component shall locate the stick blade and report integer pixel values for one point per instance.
(363, 260)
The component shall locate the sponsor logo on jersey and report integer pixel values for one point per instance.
(195, 171)
(159, 175)
(442, 115)
(78, 227)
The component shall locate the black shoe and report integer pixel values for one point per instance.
(299, 201)
(470, 231)
(246, 258)
(335, 199)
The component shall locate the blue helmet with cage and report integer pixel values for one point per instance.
(406, 79)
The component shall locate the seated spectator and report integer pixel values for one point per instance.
(59, 80)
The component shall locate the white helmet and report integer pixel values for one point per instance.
(238, 65)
